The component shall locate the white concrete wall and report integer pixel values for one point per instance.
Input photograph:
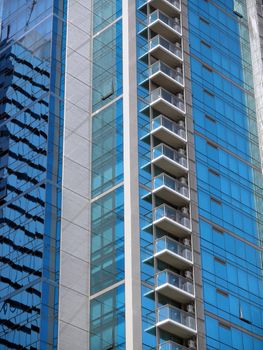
(133, 320)
(255, 22)
(74, 255)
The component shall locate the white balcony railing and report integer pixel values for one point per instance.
(160, 67)
(179, 186)
(178, 216)
(170, 345)
(177, 128)
(175, 49)
(172, 313)
(173, 279)
(174, 23)
(177, 156)
(166, 243)
(174, 100)
(162, 4)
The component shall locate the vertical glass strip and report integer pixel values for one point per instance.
(229, 179)
(107, 311)
(31, 51)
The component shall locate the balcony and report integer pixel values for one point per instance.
(170, 160)
(164, 76)
(169, 28)
(163, 50)
(176, 321)
(173, 221)
(167, 103)
(174, 286)
(173, 253)
(170, 7)
(170, 345)
(174, 191)
(171, 190)
(168, 131)
(166, 51)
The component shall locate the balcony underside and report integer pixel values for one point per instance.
(170, 166)
(165, 6)
(173, 327)
(166, 56)
(175, 293)
(166, 108)
(164, 30)
(173, 259)
(165, 81)
(171, 196)
(169, 137)
(172, 227)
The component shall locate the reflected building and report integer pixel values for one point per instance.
(24, 117)
(27, 296)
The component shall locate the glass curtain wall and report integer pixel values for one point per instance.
(145, 183)
(228, 166)
(31, 117)
(107, 311)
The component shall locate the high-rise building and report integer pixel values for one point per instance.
(131, 188)
(32, 53)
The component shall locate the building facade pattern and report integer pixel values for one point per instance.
(130, 175)
(31, 154)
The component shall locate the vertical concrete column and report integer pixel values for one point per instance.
(73, 326)
(199, 308)
(133, 319)
(255, 24)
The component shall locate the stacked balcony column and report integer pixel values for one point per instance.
(174, 290)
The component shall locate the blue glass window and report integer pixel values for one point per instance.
(107, 240)
(107, 321)
(107, 66)
(107, 148)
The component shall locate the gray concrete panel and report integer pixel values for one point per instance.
(73, 327)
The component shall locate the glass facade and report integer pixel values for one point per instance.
(107, 240)
(71, 233)
(32, 68)
(107, 318)
(228, 166)
(107, 65)
(164, 181)
(107, 310)
(107, 150)
(144, 150)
